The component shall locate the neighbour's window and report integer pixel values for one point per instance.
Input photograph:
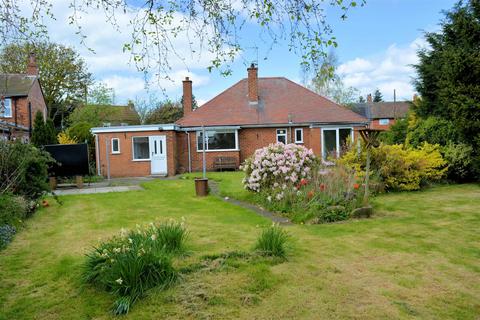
(384, 122)
(107, 124)
(217, 140)
(141, 149)
(299, 135)
(282, 135)
(8, 108)
(335, 140)
(115, 145)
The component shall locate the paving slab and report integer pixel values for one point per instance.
(93, 190)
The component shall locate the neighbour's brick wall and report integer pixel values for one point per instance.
(375, 124)
(122, 164)
(20, 114)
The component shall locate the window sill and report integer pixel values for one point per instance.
(220, 150)
(299, 142)
(115, 153)
(141, 160)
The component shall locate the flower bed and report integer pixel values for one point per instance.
(289, 179)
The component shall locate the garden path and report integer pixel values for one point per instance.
(258, 210)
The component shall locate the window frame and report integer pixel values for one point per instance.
(384, 121)
(133, 149)
(9, 108)
(281, 134)
(301, 131)
(197, 135)
(118, 145)
(337, 139)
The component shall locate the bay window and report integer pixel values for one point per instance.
(334, 140)
(218, 140)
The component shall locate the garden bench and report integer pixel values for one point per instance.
(222, 163)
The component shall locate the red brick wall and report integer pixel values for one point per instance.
(375, 124)
(122, 165)
(20, 114)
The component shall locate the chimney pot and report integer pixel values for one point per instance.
(369, 98)
(252, 84)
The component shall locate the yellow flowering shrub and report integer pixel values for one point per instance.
(64, 138)
(400, 167)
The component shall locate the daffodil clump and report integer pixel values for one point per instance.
(135, 261)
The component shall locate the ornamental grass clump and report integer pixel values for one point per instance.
(272, 242)
(135, 261)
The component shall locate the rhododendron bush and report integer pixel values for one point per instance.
(278, 166)
(289, 179)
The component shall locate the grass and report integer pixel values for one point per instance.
(419, 257)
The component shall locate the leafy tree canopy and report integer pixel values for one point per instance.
(327, 82)
(377, 96)
(100, 93)
(217, 26)
(166, 112)
(63, 73)
(449, 77)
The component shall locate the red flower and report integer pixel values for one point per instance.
(310, 194)
(356, 186)
(303, 182)
(322, 187)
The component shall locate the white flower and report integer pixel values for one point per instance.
(154, 237)
(130, 240)
(119, 281)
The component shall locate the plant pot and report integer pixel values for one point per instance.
(201, 187)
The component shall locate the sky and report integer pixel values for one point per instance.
(377, 46)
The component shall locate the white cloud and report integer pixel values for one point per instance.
(389, 70)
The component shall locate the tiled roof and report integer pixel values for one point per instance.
(16, 85)
(280, 101)
(382, 110)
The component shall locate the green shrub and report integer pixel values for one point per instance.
(460, 161)
(397, 133)
(272, 242)
(130, 264)
(23, 169)
(399, 167)
(432, 130)
(13, 210)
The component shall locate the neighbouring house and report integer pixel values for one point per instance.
(251, 114)
(382, 115)
(21, 97)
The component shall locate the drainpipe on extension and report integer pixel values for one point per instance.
(189, 153)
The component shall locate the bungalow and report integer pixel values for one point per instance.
(21, 96)
(251, 114)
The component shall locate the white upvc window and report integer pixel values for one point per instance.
(8, 108)
(299, 135)
(140, 148)
(384, 122)
(282, 135)
(115, 145)
(218, 140)
(334, 140)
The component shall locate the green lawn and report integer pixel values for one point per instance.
(419, 257)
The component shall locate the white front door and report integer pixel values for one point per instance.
(158, 154)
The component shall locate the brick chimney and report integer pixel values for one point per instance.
(187, 96)
(32, 67)
(253, 84)
(369, 98)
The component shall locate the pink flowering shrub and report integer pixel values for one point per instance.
(289, 179)
(278, 167)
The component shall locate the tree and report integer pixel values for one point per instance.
(377, 96)
(166, 112)
(361, 99)
(217, 25)
(43, 132)
(101, 94)
(63, 74)
(327, 82)
(449, 77)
